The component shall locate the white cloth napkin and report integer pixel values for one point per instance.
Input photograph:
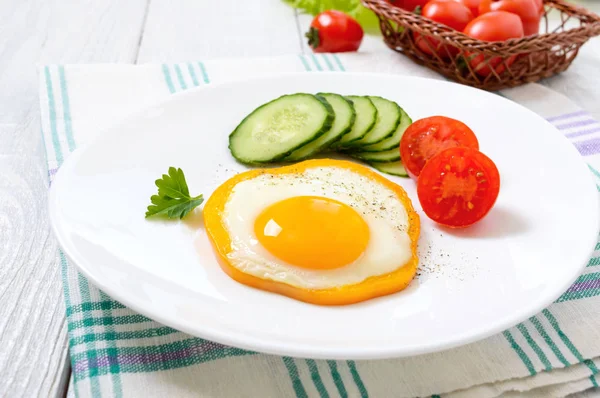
(116, 352)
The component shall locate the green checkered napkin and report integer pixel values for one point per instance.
(116, 352)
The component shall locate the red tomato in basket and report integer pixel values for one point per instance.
(426, 137)
(473, 5)
(450, 13)
(493, 26)
(540, 6)
(408, 5)
(527, 10)
(458, 186)
(334, 31)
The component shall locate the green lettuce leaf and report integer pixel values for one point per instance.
(365, 17)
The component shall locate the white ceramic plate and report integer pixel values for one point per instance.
(473, 282)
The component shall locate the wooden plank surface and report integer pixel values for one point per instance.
(33, 342)
(33, 347)
(183, 30)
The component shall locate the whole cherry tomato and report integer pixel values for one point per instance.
(493, 26)
(527, 10)
(408, 5)
(458, 186)
(473, 5)
(426, 137)
(448, 12)
(540, 6)
(334, 31)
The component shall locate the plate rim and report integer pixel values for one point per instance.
(302, 350)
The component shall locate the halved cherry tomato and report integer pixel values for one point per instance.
(527, 10)
(408, 5)
(493, 26)
(448, 12)
(458, 186)
(473, 5)
(426, 137)
(334, 31)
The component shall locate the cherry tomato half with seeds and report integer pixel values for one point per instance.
(426, 137)
(458, 187)
(334, 31)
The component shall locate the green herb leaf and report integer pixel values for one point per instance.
(173, 199)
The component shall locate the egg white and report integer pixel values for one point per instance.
(389, 243)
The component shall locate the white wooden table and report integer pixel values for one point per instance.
(33, 335)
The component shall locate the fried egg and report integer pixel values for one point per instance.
(322, 231)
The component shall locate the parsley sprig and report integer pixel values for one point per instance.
(173, 199)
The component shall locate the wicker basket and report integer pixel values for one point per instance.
(521, 60)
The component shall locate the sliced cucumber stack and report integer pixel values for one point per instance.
(274, 130)
(394, 168)
(394, 140)
(388, 119)
(299, 126)
(342, 124)
(366, 116)
(384, 156)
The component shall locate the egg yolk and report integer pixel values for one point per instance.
(312, 232)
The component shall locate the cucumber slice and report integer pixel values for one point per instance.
(366, 115)
(274, 130)
(388, 118)
(394, 168)
(394, 140)
(342, 124)
(385, 156)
